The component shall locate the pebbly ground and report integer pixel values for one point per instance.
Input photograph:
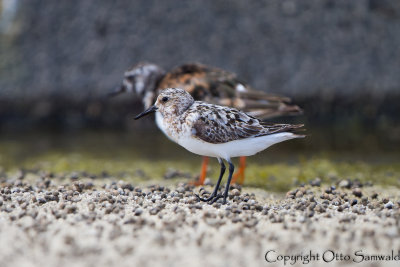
(45, 221)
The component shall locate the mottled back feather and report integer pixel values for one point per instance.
(218, 124)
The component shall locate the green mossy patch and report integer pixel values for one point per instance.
(125, 158)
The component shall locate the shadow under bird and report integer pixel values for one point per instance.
(208, 84)
(215, 131)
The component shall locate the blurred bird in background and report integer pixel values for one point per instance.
(209, 84)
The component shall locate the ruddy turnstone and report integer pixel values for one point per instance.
(215, 131)
(208, 84)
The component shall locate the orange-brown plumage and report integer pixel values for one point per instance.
(217, 86)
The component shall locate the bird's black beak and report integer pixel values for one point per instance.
(146, 112)
(118, 90)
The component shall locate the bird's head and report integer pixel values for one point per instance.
(170, 102)
(141, 80)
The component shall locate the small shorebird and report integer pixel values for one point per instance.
(215, 131)
(208, 84)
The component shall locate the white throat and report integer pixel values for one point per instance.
(159, 122)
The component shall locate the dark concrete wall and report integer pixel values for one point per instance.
(318, 48)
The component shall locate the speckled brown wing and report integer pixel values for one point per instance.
(222, 124)
(202, 82)
(217, 86)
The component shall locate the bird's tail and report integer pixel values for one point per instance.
(266, 106)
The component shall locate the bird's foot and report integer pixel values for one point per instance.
(205, 199)
(212, 199)
(216, 198)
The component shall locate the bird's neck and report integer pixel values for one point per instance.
(151, 87)
(175, 122)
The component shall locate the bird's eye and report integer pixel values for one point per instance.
(165, 99)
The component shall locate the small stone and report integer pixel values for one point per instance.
(236, 219)
(180, 189)
(392, 232)
(328, 190)
(108, 210)
(290, 194)
(259, 208)
(357, 192)
(364, 201)
(139, 190)
(74, 176)
(310, 213)
(217, 204)
(251, 223)
(327, 196)
(360, 210)
(299, 194)
(275, 218)
(138, 212)
(62, 205)
(344, 184)
(389, 205)
(91, 206)
(315, 182)
(71, 209)
(121, 191)
(312, 205)
(15, 190)
(385, 200)
(154, 211)
(235, 192)
(130, 221)
(353, 202)
(374, 195)
(41, 200)
(208, 181)
(320, 208)
(336, 202)
(346, 218)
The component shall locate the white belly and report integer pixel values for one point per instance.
(237, 148)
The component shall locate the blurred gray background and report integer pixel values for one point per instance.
(336, 58)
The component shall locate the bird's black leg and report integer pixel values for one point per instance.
(228, 184)
(221, 174)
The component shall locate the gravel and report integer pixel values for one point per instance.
(46, 221)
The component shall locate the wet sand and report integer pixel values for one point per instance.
(45, 221)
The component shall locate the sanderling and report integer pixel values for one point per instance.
(208, 84)
(215, 131)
